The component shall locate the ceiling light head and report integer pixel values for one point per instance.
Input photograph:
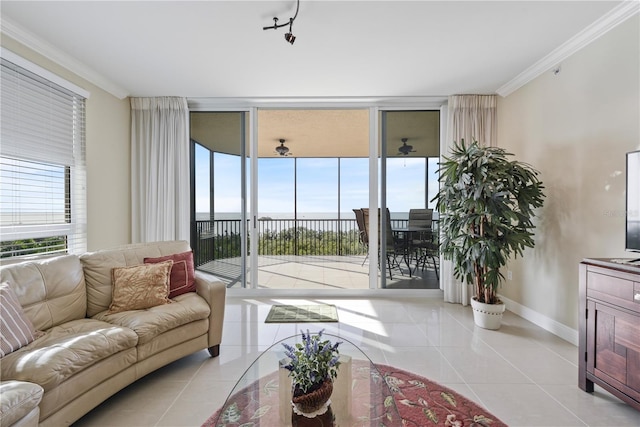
(290, 38)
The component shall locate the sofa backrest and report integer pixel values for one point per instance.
(51, 290)
(98, 265)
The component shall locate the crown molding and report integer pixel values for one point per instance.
(610, 20)
(61, 58)
(42, 72)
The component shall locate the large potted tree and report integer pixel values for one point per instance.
(487, 204)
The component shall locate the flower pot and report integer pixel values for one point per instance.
(487, 316)
(315, 402)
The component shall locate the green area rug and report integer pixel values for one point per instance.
(302, 313)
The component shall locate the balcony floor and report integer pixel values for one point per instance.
(319, 272)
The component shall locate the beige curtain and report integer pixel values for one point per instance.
(160, 191)
(472, 118)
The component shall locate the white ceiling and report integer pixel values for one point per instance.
(343, 48)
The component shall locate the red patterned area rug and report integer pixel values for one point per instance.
(420, 403)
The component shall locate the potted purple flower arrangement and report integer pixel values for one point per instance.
(313, 365)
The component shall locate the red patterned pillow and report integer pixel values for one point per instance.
(179, 278)
(181, 281)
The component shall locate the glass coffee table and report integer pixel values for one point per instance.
(262, 397)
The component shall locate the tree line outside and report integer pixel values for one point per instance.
(291, 241)
(13, 248)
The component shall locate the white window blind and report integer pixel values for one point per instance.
(42, 164)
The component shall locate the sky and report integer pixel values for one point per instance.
(31, 192)
(317, 183)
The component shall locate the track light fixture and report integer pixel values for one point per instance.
(289, 37)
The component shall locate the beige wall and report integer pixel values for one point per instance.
(575, 127)
(108, 156)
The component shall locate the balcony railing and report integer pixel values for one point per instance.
(220, 239)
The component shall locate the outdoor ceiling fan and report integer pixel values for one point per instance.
(282, 149)
(404, 148)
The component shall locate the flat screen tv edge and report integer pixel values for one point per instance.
(632, 234)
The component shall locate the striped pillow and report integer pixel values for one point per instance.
(16, 330)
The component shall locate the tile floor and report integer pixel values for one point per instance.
(521, 373)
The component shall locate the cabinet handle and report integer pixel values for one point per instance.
(636, 296)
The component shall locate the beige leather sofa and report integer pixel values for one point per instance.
(86, 354)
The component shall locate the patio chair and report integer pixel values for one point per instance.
(424, 241)
(421, 218)
(363, 236)
(393, 249)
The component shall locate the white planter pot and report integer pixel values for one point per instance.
(487, 316)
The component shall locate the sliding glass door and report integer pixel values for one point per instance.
(308, 160)
(219, 210)
(409, 147)
(277, 210)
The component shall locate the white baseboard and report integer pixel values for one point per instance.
(546, 323)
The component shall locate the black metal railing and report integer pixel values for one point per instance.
(220, 239)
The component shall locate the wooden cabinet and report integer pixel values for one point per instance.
(609, 341)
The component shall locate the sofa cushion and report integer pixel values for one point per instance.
(140, 286)
(16, 330)
(177, 286)
(19, 398)
(66, 350)
(98, 265)
(150, 323)
(51, 291)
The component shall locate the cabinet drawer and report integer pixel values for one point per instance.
(614, 290)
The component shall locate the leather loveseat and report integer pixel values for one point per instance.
(84, 352)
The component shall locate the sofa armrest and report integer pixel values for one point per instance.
(214, 292)
(20, 400)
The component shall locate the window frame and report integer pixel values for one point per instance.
(74, 224)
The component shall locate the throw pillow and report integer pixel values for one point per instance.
(140, 286)
(16, 330)
(176, 286)
(178, 279)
